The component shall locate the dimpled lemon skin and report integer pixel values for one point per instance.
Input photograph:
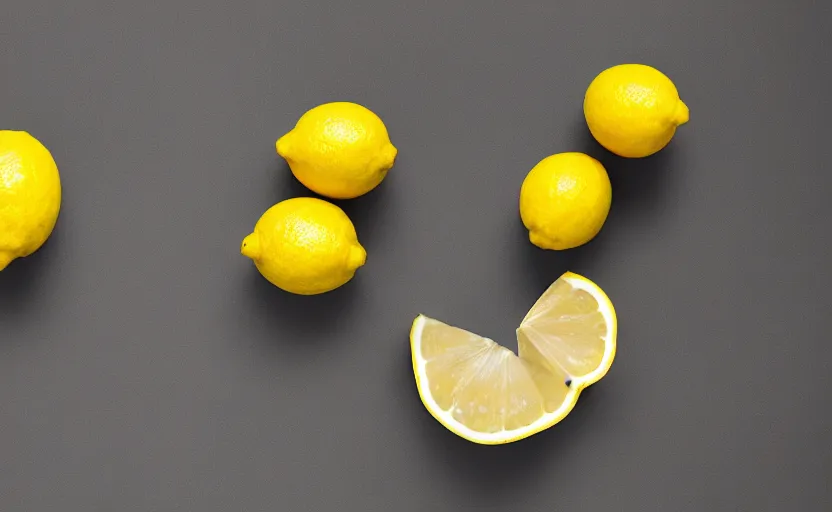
(339, 150)
(305, 246)
(565, 200)
(633, 110)
(30, 195)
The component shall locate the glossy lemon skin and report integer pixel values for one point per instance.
(30, 195)
(633, 110)
(305, 246)
(339, 150)
(565, 200)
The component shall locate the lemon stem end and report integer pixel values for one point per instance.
(5, 259)
(682, 114)
(357, 257)
(392, 153)
(282, 145)
(251, 247)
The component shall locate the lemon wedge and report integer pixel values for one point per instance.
(486, 394)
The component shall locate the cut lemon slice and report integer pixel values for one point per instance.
(486, 394)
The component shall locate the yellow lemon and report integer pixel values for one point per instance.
(565, 200)
(305, 246)
(633, 110)
(486, 394)
(30, 195)
(339, 150)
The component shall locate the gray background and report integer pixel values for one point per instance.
(145, 365)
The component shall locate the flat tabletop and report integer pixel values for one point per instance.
(145, 365)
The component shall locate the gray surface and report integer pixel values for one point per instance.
(145, 365)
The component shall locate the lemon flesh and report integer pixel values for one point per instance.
(30, 195)
(565, 200)
(486, 394)
(305, 246)
(339, 150)
(633, 110)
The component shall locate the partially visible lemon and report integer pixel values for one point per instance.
(339, 150)
(565, 200)
(633, 110)
(30, 195)
(486, 394)
(305, 246)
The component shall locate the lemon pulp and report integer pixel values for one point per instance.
(485, 393)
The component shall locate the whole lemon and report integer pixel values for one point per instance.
(305, 246)
(565, 200)
(339, 150)
(633, 110)
(30, 195)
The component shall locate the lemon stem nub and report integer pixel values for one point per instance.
(358, 256)
(5, 259)
(392, 152)
(682, 114)
(282, 145)
(251, 246)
